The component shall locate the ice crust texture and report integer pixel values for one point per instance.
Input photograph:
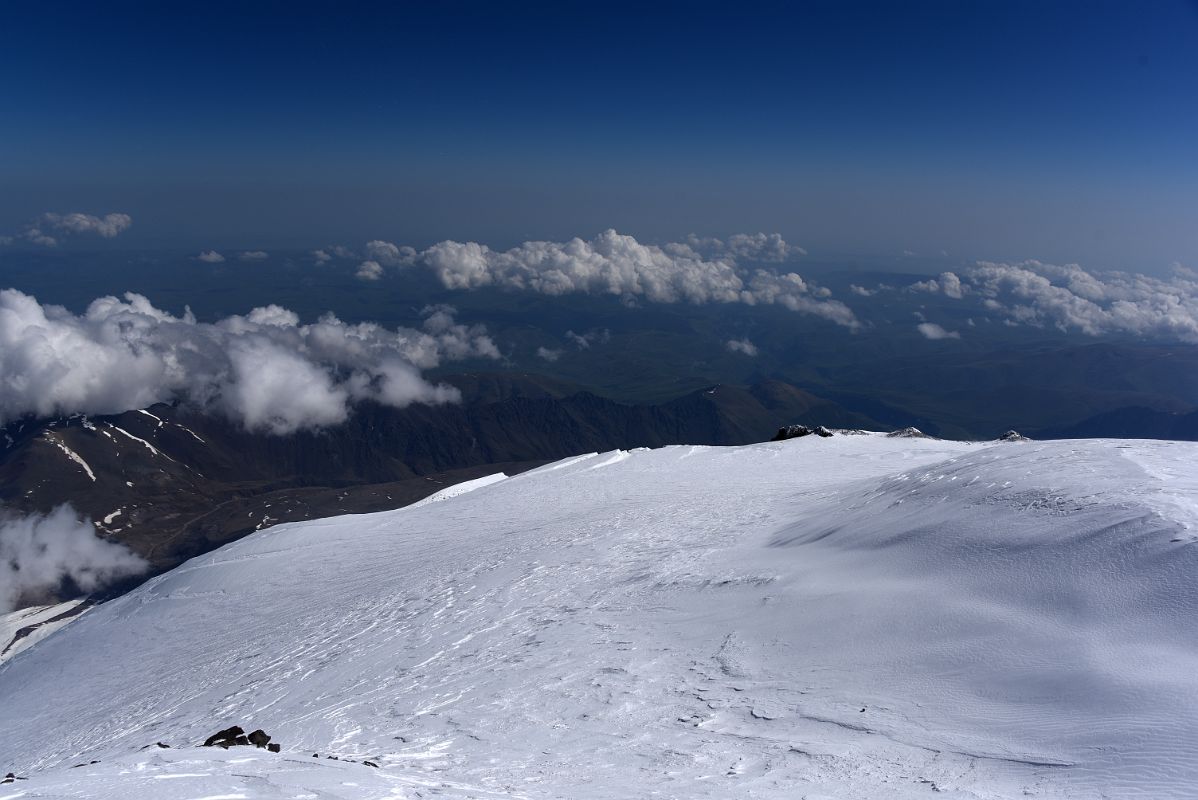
(854, 617)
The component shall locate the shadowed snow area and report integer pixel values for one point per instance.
(855, 617)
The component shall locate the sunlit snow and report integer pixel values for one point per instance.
(854, 617)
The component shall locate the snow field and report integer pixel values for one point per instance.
(855, 617)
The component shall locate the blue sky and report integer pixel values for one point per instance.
(1060, 131)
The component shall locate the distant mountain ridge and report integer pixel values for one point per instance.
(171, 482)
(1132, 422)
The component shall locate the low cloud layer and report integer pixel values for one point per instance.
(50, 227)
(697, 271)
(1070, 298)
(38, 552)
(264, 370)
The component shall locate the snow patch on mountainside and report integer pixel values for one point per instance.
(71, 454)
(854, 617)
(20, 630)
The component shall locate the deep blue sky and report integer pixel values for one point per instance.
(1052, 130)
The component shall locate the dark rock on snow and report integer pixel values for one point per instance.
(909, 433)
(799, 431)
(227, 735)
(236, 737)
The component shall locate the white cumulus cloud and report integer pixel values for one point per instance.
(931, 330)
(39, 551)
(390, 255)
(264, 370)
(253, 255)
(619, 265)
(742, 345)
(210, 257)
(369, 271)
(948, 284)
(744, 246)
(46, 229)
(1070, 298)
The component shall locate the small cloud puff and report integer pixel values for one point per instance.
(210, 257)
(742, 345)
(548, 355)
(583, 341)
(931, 330)
(369, 271)
(390, 255)
(253, 255)
(335, 251)
(948, 283)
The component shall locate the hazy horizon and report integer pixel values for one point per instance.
(1059, 132)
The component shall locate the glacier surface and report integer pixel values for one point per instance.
(855, 617)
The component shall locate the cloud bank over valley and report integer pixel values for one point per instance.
(264, 370)
(1071, 299)
(49, 228)
(697, 271)
(39, 551)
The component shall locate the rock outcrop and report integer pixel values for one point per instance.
(799, 431)
(236, 737)
(909, 433)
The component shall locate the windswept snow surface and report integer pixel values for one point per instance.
(459, 489)
(855, 617)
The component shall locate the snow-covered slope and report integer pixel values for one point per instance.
(855, 617)
(22, 629)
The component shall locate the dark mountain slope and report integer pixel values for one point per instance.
(1133, 422)
(172, 482)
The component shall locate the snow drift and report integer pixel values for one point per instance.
(854, 617)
